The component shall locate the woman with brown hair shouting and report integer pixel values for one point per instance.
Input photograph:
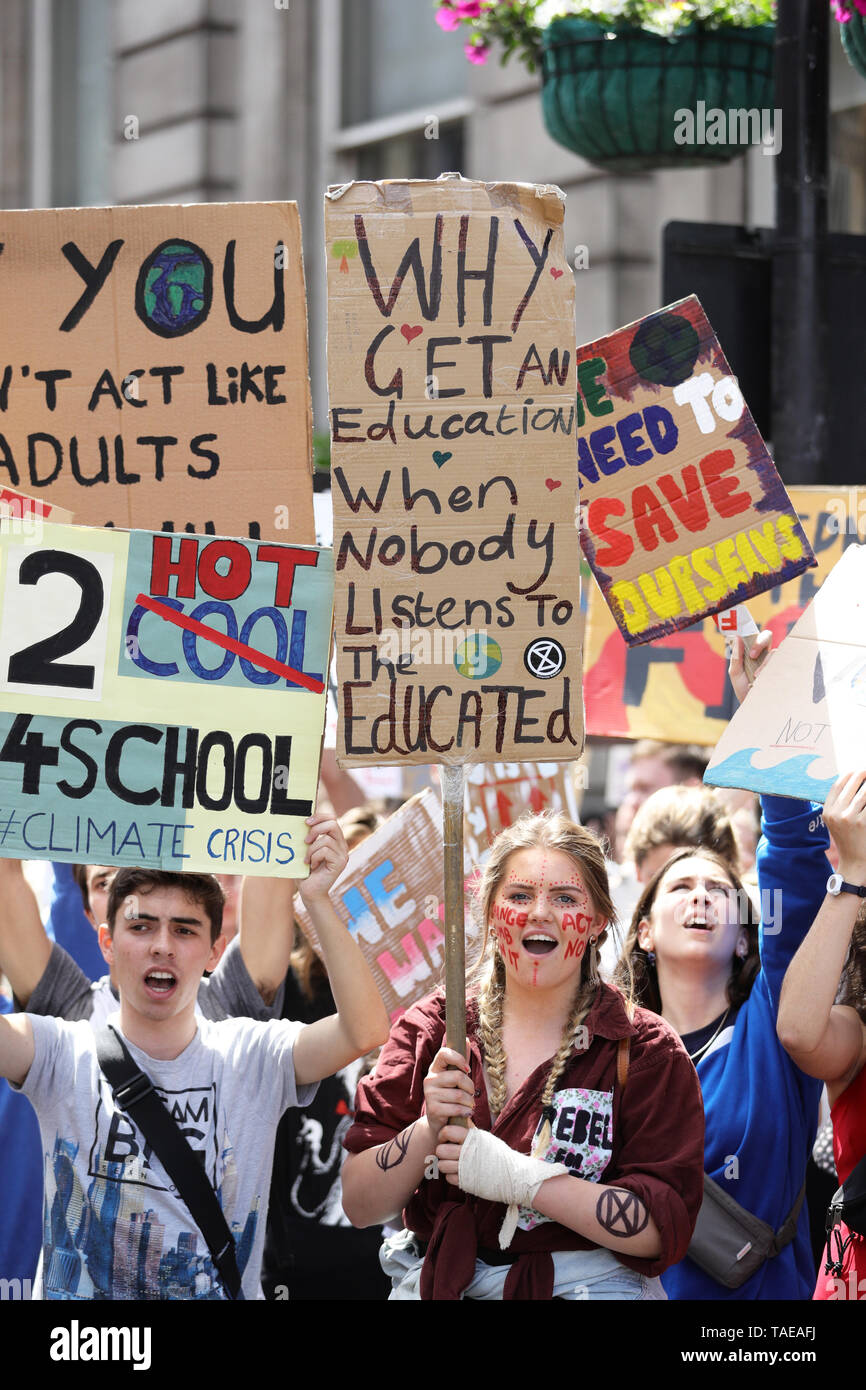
(580, 1173)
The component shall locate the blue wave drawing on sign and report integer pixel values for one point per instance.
(788, 778)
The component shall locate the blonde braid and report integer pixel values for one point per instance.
(582, 1005)
(490, 1002)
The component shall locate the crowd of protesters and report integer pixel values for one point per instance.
(648, 1019)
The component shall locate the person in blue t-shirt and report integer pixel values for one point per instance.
(71, 925)
(20, 1189)
(701, 959)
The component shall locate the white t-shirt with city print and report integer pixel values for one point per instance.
(114, 1225)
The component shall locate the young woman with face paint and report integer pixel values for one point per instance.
(580, 1173)
(698, 956)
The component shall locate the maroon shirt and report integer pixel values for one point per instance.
(647, 1138)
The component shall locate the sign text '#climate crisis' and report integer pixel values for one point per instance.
(162, 742)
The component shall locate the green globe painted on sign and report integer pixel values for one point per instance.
(478, 656)
(173, 294)
(664, 349)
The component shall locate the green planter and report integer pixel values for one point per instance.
(853, 36)
(612, 96)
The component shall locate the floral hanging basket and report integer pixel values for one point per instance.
(621, 98)
(853, 35)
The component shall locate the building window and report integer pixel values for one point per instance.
(80, 103)
(847, 212)
(396, 59)
(412, 155)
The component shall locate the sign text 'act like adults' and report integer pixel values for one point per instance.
(153, 368)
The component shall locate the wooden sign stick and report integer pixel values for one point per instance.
(455, 937)
(751, 665)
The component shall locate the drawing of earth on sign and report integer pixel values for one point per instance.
(478, 656)
(664, 349)
(173, 293)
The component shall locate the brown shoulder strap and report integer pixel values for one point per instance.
(623, 1049)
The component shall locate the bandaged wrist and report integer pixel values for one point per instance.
(488, 1168)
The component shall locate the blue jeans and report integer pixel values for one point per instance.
(588, 1275)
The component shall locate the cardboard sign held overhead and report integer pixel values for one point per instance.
(676, 688)
(804, 721)
(682, 510)
(451, 378)
(390, 898)
(498, 794)
(154, 366)
(161, 698)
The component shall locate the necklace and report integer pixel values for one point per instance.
(695, 1057)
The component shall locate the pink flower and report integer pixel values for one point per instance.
(861, 6)
(840, 11)
(468, 9)
(447, 18)
(476, 53)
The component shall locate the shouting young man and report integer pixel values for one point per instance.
(114, 1226)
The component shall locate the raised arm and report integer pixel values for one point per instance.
(16, 1047)
(266, 931)
(361, 1021)
(825, 1039)
(24, 946)
(791, 862)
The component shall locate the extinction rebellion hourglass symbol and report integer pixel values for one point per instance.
(621, 1213)
(544, 658)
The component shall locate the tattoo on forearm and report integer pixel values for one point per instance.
(621, 1213)
(394, 1152)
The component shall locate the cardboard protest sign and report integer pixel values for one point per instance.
(682, 510)
(16, 508)
(676, 688)
(804, 721)
(161, 698)
(451, 377)
(154, 369)
(390, 897)
(498, 794)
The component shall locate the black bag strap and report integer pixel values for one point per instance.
(134, 1093)
(788, 1229)
(852, 1193)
